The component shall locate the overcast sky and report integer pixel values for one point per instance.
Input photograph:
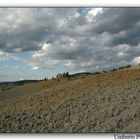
(41, 42)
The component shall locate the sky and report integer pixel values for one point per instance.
(40, 42)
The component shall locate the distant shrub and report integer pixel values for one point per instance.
(3, 89)
(124, 67)
(105, 71)
(121, 67)
(67, 74)
(128, 66)
(59, 75)
(114, 69)
(96, 73)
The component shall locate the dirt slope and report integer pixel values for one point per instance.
(100, 103)
(27, 89)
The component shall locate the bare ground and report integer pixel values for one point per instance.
(102, 103)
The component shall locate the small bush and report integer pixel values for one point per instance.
(128, 66)
(121, 67)
(105, 71)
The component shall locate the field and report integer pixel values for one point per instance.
(107, 102)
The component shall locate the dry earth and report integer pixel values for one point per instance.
(108, 102)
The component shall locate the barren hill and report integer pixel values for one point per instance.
(107, 102)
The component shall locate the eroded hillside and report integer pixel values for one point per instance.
(106, 102)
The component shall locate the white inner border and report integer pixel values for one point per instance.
(65, 3)
(69, 3)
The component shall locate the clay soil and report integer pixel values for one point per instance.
(108, 102)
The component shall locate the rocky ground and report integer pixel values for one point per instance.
(107, 102)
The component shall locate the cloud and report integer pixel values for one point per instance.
(7, 56)
(41, 59)
(136, 60)
(87, 39)
(23, 29)
(86, 64)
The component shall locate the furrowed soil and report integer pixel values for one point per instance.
(108, 102)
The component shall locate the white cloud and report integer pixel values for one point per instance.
(7, 56)
(92, 13)
(35, 68)
(120, 54)
(85, 64)
(136, 60)
(21, 79)
(41, 59)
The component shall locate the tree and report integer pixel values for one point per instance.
(104, 71)
(128, 66)
(45, 79)
(121, 67)
(67, 74)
